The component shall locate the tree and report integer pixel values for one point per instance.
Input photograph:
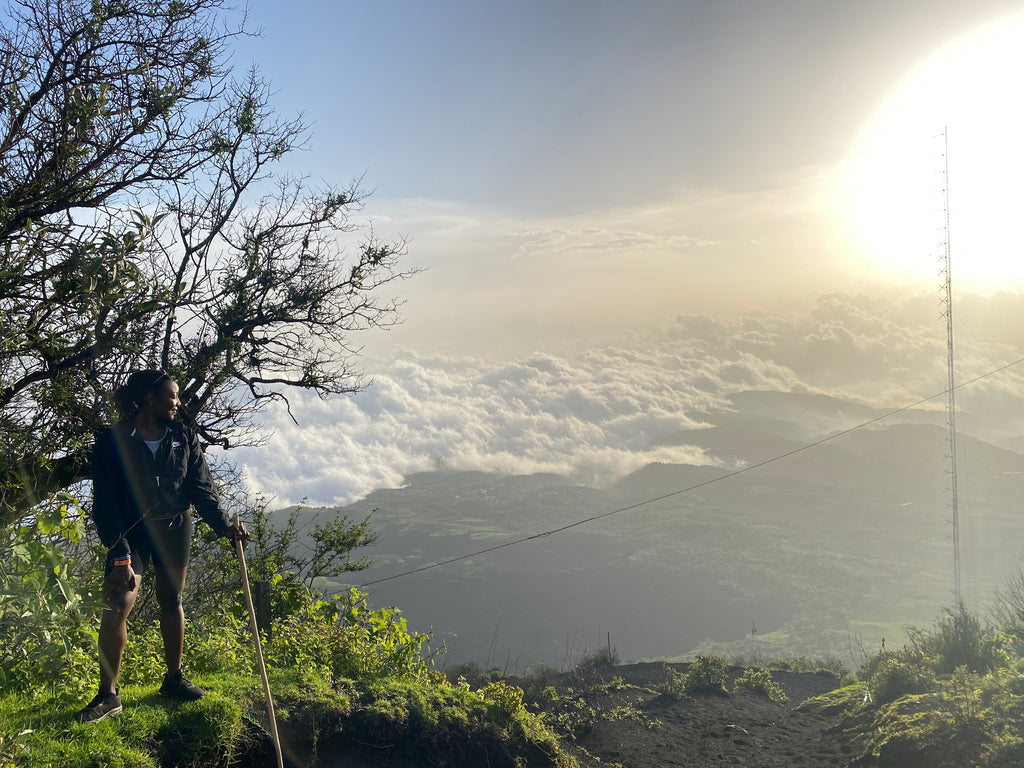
(142, 224)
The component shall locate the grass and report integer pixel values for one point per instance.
(872, 632)
(40, 729)
(845, 699)
(427, 717)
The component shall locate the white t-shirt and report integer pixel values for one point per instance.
(154, 444)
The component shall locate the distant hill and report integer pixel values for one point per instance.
(821, 551)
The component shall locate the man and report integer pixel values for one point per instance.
(148, 470)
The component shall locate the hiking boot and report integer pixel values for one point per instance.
(104, 705)
(177, 686)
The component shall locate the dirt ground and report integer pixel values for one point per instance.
(716, 730)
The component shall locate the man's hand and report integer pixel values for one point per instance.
(119, 582)
(237, 532)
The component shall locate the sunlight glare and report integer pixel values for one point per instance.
(893, 200)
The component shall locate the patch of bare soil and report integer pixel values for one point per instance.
(636, 727)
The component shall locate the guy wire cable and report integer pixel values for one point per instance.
(727, 476)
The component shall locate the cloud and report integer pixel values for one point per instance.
(590, 240)
(865, 347)
(596, 415)
(592, 417)
(505, 282)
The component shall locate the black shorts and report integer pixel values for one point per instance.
(166, 542)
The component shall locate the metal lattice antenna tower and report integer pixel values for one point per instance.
(951, 385)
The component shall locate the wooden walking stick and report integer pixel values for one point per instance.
(240, 551)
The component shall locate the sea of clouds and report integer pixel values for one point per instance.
(598, 414)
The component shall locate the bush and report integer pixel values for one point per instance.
(895, 677)
(504, 701)
(604, 659)
(674, 686)
(959, 639)
(46, 631)
(759, 681)
(570, 715)
(592, 668)
(364, 644)
(705, 675)
(541, 676)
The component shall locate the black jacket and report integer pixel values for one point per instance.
(130, 484)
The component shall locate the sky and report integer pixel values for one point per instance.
(581, 179)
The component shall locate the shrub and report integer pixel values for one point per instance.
(538, 685)
(1005, 749)
(570, 716)
(604, 659)
(592, 668)
(759, 681)
(961, 695)
(541, 676)
(674, 686)
(46, 630)
(705, 675)
(364, 644)
(831, 666)
(895, 677)
(504, 701)
(959, 639)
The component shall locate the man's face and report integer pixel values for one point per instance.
(163, 403)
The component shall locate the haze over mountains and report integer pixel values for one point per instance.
(823, 551)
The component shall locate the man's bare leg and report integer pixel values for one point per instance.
(119, 595)
(169, 583)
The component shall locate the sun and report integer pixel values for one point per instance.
(958, 115)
